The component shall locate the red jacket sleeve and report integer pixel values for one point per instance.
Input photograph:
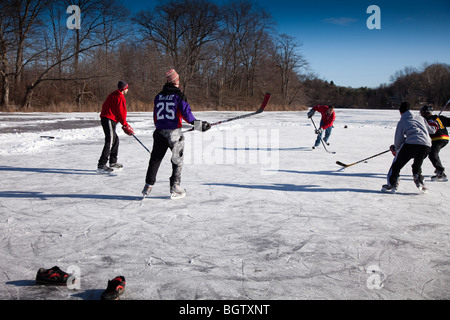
(122, 110)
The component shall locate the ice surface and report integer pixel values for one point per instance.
(265, 217)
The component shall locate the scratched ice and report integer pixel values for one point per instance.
(265, 217)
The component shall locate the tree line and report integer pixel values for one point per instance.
(227, 56)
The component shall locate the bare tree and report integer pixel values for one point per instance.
(25, 14)
(435, 83)
(57, 34)
(101, 20)
(289, 62)
(5, 47)
(233, 33)
(255, 44)
(20, 23)
(181, 29)
(59, 54)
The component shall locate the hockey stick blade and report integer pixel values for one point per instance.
(342, 164)
(264, 103)
(261, 109)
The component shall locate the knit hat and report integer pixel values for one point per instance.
(122, 85)
(425, 110)
(172, 77)
(404, 106)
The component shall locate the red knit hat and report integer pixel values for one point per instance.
(172, 77)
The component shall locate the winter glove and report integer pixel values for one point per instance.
(205, 126)
(311, 113)
(202, 126)
(394, 152)
(128, 130)
(319, 131)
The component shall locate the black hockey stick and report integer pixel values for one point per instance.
(321, 139)
(349, 165)
(141, 143)
(444, 108)
(260, 110)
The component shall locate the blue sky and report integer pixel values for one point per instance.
(340, 48)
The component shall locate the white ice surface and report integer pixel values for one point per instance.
(265, 218)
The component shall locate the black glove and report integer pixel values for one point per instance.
(392, 148)
(205, 126)
(311, 113)
(319, 131)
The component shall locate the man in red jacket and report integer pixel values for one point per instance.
(326, 123)
(114, 110)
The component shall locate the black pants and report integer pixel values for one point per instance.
(434, 154)
(111, 147)
(406, 153)
(163, 140)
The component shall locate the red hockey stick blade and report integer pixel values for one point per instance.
(264, 103)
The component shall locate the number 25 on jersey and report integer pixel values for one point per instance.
(165, 110)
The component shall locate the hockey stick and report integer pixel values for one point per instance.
(323, 143)
(349, 165)
(260, 110)
(141, 143)
(444, 107)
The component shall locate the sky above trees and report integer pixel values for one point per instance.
(341, 48)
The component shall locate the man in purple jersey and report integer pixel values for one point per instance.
(171, 107)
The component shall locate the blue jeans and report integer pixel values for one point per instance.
(325, 139)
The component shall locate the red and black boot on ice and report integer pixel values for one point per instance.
(53, 276)
(115, 288)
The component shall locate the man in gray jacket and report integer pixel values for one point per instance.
(412, 141)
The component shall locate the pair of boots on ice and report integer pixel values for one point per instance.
(55, 276)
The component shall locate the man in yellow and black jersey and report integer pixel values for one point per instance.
(439, 140)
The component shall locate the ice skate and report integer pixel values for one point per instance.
(176, 192)
(418, 180)
(146, 191)
(104, 169)
(116, 166)
(439, 177)
(387, 188)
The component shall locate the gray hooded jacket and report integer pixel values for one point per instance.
(413, 130)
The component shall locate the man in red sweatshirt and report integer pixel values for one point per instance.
(114, 110)
(326, 123)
